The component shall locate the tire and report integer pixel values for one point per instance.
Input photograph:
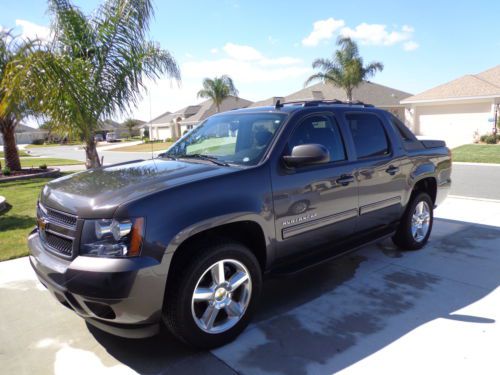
(189, 319)
(406, 238)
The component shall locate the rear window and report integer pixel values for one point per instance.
(370, 138)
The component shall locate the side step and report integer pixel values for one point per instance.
(300, 264)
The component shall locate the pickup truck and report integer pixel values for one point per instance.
(184, 240)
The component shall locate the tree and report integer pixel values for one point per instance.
(94, 68)
(345, 69)
(11, 112)
(218, 89)
(130, 124)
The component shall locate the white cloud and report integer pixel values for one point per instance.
(246, 64)
(369, 34)
(322, 30)
(241, 52)
(410, 46)
(213, 51)
(377, 34)
(30, 30)
(272, 40)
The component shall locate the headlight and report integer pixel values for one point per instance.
(112, 237)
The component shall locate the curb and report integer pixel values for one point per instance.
(53, 172)
(475, 164)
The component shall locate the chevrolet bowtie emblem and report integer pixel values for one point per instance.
(42, 224)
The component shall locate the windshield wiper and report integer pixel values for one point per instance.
(166, 155)
(212, 159)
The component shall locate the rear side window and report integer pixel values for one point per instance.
(321, 130)
(370, 138)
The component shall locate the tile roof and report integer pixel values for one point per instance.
(486, 83)
(367, 92)
(199, 112)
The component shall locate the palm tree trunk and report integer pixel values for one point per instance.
(348, 92)
(92, 158)
(7, 128)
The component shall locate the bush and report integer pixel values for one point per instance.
(38, 142)
(6, 171)
(43, 166)
(483, 138)
(490, 139)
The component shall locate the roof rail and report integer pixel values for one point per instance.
(313, 103)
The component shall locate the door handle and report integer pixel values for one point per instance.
(345, 180)
(392, 170)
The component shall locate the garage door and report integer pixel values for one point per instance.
(164, 133)
(456, 123)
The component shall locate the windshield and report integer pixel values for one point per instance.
(232, 138)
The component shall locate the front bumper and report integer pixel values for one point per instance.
(122, 296)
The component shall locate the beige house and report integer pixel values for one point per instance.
(173, 125)
(458, 111)
(367, 92)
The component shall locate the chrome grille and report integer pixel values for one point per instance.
(61, 218)
(57, 230)
(59, 244)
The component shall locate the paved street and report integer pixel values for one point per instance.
(73, 152)
(476, 180)
(375, 311)
(471, 180)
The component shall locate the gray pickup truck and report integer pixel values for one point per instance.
(186, 238)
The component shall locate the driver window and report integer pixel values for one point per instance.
(321, 130)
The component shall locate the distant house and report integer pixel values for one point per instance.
(367, 92)
(456, 111)
(26, 134)
(120, 130)
(173, 125)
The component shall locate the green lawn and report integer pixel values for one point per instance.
(477, 153)
(145, 147)
(36, 162)
(55, 145)
(21, 153)
(19, 219)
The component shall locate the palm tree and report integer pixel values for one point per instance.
(94, 68)
(345, 69)
(218, 89)
(130, 124)
(11, 112)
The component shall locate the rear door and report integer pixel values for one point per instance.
(378, 173)
(314, 205)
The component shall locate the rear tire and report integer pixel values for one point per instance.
(223, 304)
(416, 224)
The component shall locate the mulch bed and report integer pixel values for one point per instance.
(29, 173)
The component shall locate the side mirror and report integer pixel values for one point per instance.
(307, 155)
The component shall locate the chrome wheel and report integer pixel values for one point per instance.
(420, 221)
(221, 296)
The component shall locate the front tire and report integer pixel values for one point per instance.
(416, 224)
(211, 300)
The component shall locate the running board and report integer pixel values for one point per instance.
(296, 266)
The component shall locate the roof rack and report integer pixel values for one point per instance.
(315, 103)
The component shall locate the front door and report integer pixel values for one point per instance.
(315, 205)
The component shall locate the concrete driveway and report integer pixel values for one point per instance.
(375, 311)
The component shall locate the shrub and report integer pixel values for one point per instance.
(6, 171)
(490, 139)
(483, 138)
(38, 142)
(43, 166)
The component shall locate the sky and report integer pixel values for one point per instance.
(267, 47)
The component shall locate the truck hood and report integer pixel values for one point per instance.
(96, 193)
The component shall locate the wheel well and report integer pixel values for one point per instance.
(427, 185)
(248, 233)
